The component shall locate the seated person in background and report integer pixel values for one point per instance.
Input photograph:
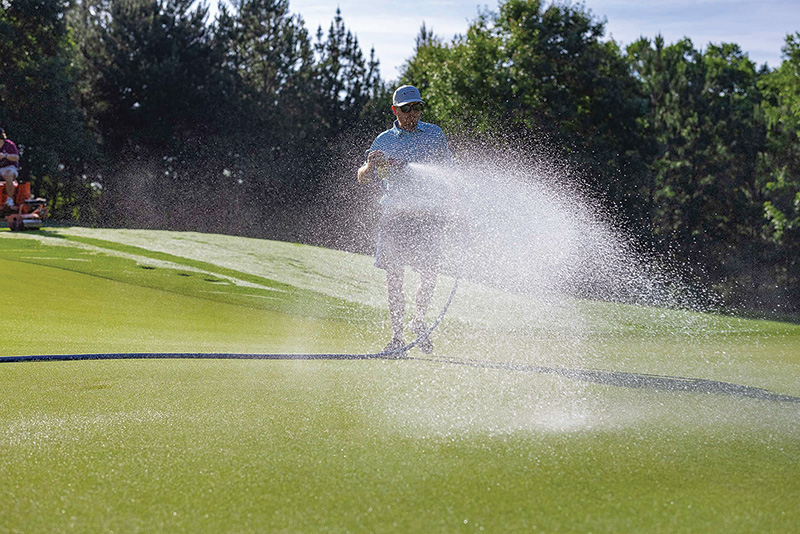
(9, 167)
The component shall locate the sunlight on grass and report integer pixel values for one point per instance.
(442, 444)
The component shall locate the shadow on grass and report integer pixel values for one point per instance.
(633, 380)
(608, 378)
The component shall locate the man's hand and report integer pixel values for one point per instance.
(376, 158)
(366, 173)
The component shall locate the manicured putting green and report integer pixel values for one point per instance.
(370, 445)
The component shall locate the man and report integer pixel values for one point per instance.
(408, 226)
(9, 167)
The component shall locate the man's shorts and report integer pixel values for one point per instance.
(412, 240)
(12, 169)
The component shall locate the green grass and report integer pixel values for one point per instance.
(369, 445)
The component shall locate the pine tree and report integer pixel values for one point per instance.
(38, 104)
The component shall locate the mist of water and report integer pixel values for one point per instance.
(524, 231)
(548, 279)
(555, 282)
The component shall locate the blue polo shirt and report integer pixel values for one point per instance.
(425, 144)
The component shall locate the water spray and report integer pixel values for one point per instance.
(533, 239)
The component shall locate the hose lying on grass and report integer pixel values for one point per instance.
(610, 378)
(394, 353)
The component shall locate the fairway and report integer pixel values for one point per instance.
(535, 413)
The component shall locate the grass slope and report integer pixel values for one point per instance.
(367, 446)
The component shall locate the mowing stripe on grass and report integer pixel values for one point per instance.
(608, 378)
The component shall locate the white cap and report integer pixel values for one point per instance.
(406, 94)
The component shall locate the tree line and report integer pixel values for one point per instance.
(148, 113)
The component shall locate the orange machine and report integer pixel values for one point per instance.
(29, 213)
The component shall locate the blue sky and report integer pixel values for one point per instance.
(759, 27)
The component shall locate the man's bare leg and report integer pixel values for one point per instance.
(427, 284)
(397, 305)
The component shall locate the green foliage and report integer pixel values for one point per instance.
(460, 81)
(215, 114)
(670, 136)
(780, 163)
(344, 80)
(267, 65)
(147, 68)
(703, 116)
(265, 45)
(269, 53)
(151, 87)
(542, 75)
(38, 104)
